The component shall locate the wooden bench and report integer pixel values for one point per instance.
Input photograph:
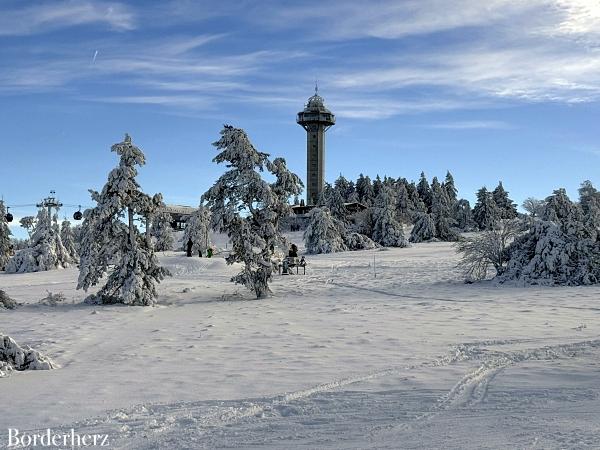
(290, 262)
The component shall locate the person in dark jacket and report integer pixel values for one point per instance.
(190, 244)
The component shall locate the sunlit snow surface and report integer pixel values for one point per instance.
(401, 356)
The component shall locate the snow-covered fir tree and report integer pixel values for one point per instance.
(485, 212)
(438, 224)
(387, 231)
(364, 190)
(404, 207)
(332, 199)
(324, 234)
(463, 215)
(423, 229)
(46, 250)
(508, 209)
(589, 196)
(5, 233)
(558, 249)
(416, 204)
(442, 213)
(110, 246)
(358, 241)
(197, 229)
(68, 239)
(450, 188)
(162, 232)
(247, 208)
(592, 220)
(377, 186)
(345, 188)
(424, 191)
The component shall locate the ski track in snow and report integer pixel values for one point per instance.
(167, 423)
(472, 388)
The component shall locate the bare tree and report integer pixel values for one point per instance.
(488, 249)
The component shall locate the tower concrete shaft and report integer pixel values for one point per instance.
(316, 119)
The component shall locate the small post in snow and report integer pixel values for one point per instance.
(374, 271)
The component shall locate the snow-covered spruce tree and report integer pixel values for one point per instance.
(61, 250)
(439, 222)
(485, 212)
(591, 219)
(463, 215)
(377, 185)
(362, 222)
(450, 188)
(387, 231)
(441, 211)
(68, 239)
(332, 199)
(424, 191)
(508, 209)
(197, 229)
(5, 244)
(110, 246)
(162, 232)
(416, 204)
(345, 188)
(247, 208)
(324, 234)
(558, 249)
(423, 229)
(46, 250)
(364, 190)
(589, 199)
(357, 241)
(404, 208)
(488, 249)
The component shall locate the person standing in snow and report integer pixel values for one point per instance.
(189, 247)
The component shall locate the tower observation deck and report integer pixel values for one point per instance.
(316, 119)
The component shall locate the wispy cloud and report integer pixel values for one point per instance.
(49, 16)
(382, 108)
(391, 19)
(537, 74)
(470, 54)
(472, 125)
(193, 102)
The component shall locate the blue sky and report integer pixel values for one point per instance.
(496, 90)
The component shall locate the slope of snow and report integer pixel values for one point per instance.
(368, 350)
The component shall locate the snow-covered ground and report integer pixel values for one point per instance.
(400, 355)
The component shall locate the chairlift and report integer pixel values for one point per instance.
(9, 217)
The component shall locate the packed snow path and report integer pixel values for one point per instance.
(400, 355)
